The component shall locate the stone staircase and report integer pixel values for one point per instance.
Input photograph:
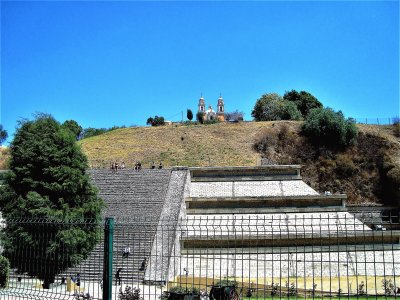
(135, 200)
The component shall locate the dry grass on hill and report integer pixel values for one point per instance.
(360, 171)
(222, 144)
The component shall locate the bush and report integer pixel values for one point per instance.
(234, 116)
(200, 117)
(325, 127)
(129, 294)
(396, 126)
(184, 289)
(227, 282)
(156, 121)
(4, 272)
(265, 140)
(388, 287)
(345, 167)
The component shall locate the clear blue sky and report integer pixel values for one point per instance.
(117, 63)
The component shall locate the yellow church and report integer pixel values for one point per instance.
(210, 114)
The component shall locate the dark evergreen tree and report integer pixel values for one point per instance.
(3, 134)
(48, 180)
(189, 115)
(303, 100)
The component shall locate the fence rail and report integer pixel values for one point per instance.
(301, 255)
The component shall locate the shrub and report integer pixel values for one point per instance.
(361, 289)
(388, 286)
(200, 117)
(396, 126)
(156, 121)
(265, 141)
(129, 293)
(234, 116)
(4, 271)
(325, 127)
(215, 121)
(345, 167)
(184, 289)
(227, 282)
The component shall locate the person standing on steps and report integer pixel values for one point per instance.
(118, 278)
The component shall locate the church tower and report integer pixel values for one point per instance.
(202, 105)
(220, 109)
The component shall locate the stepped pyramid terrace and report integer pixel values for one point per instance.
(262, 227)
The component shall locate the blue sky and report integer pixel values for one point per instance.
(118, 63)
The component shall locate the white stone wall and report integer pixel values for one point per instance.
(277, 224)
(251, 188)
(325, 264)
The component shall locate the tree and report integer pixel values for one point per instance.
(271, 107)
(89, 132)
(48, 180)
(150, 121)
(74, 127)
(3, 134)
(189, 114)
(303, 100)
(325, 127)
(234, 116)
(200, 117)
(265, 108)
(287, 110)
(156, 121)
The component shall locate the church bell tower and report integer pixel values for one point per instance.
(220, 109)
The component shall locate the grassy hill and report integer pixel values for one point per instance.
(360, 171)
(368, 172)
(191, 145)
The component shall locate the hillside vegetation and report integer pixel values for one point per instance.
(367, 172)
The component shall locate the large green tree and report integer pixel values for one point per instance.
(48, 181)
(74, 127)
(271, 107)
(303, 100)
(3, 134)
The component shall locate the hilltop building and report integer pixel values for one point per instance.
(210, 114)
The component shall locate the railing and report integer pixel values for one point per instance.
(378, 121)
(301, 255)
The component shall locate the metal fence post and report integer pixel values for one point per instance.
(108, 258)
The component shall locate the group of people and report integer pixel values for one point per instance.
(137, 167)
(115, 166)
(153, 165)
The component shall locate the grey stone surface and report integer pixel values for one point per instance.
(165, 237)
(250, 188)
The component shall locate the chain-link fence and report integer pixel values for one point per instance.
(295, 254)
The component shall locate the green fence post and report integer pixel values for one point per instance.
(108, 258)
